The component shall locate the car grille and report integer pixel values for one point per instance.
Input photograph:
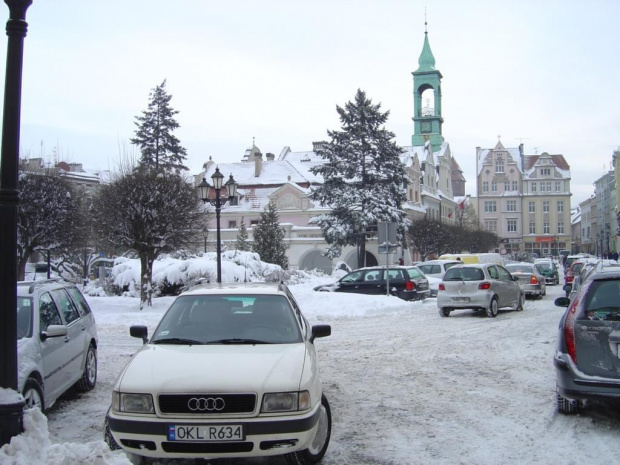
(233, 403)
(206, 448)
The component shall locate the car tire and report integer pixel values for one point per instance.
(89, 376)
(493, 308)
(107, 436)
(566, 406)
(444, 312)
(521, 303)
(33, 395)
(318, 447)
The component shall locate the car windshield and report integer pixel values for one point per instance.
(519, 268)
(414, 273)
(228, 319)
(464, 274)
(544, 266)
(24, 317)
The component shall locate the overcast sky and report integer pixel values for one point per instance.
(544, 73)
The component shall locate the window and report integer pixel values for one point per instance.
(560, 206)
(546, 206)
(234, 201)
(558, 186)
(490, 225)
(533, 189)
(532, 207)
(66, 305)
(79, 301)
(546, 229)
(499, 165)
(545, 186)
(485, 186)
(232, 224)
(254, 222)
(48, 312)
(532, 227)
(489, 206)
(545, 171)
(560, 227)
(515, 186)
(511, 205)
(511, 225)
(506, 185)
(493, 186)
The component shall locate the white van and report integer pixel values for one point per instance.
(471, 258)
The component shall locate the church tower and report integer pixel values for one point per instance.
(427, 119)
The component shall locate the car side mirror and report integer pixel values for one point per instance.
(53, 331)
(562, 302)
(140, 331)
(320, 331)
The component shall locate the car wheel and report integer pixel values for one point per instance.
(567, 406)
(317, 448)
(33, 395)
(521, 303)
(493, 308)
(89, 376)
(443, 311)
(107, 436)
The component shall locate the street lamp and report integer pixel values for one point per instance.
(11, 407)
(203, 191)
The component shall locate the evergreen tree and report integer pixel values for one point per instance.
(242, 237)
(159, 147)
(269, 238)
(364, 181)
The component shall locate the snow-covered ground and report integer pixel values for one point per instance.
(405, 386)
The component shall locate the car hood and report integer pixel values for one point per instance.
(222, 368)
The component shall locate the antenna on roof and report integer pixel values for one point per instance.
(536, 150)
(425, 23)
(253, 140)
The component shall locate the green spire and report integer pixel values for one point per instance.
(426, 60)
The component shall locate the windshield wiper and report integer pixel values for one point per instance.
(238, 341)
(177, 340)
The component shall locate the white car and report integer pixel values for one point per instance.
(56, 341)
(230, 371)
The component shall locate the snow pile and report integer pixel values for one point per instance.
(33, 446)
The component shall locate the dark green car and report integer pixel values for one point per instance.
(549, 271)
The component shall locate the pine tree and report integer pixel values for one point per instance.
(269, 238)
(159, 147)
(242, 238)
(364, 179)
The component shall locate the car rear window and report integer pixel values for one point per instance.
(603, 300)
(464, 274)
(430, 269)
(519, 268)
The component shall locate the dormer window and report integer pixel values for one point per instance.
(499, 164)
(545, 171)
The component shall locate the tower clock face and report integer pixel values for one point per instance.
(425, 126)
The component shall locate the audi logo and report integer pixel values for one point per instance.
(206, 404)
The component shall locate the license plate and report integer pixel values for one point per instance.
(460, 299)
(205, 433)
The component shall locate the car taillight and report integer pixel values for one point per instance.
(569, 330)
(410, 286)
(484, 285)
(533, 280)
(441, 287)
(569, 279)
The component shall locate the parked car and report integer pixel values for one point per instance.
(56, 341)
(572, 258)
(230, 371)
(406, 282)
(587, 269)
(485, 287)
(549, 270)
(586, 361)
(530, 277)
(573, 270)
(434, 271)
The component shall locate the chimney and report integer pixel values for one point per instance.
(270, 156)
(258, 164)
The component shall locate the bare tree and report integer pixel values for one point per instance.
(151, 212)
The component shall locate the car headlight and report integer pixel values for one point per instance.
(132, 403)
(286, 402)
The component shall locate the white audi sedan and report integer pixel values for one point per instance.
(231, 371)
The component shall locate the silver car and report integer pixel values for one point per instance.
(531, 278)
(487, 287)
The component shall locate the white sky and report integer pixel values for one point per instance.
(541, 73)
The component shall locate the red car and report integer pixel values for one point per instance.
(574, 270)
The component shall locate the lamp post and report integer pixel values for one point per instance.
(599, 245)
(231, 190)
(607, 228)
(11, 409)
